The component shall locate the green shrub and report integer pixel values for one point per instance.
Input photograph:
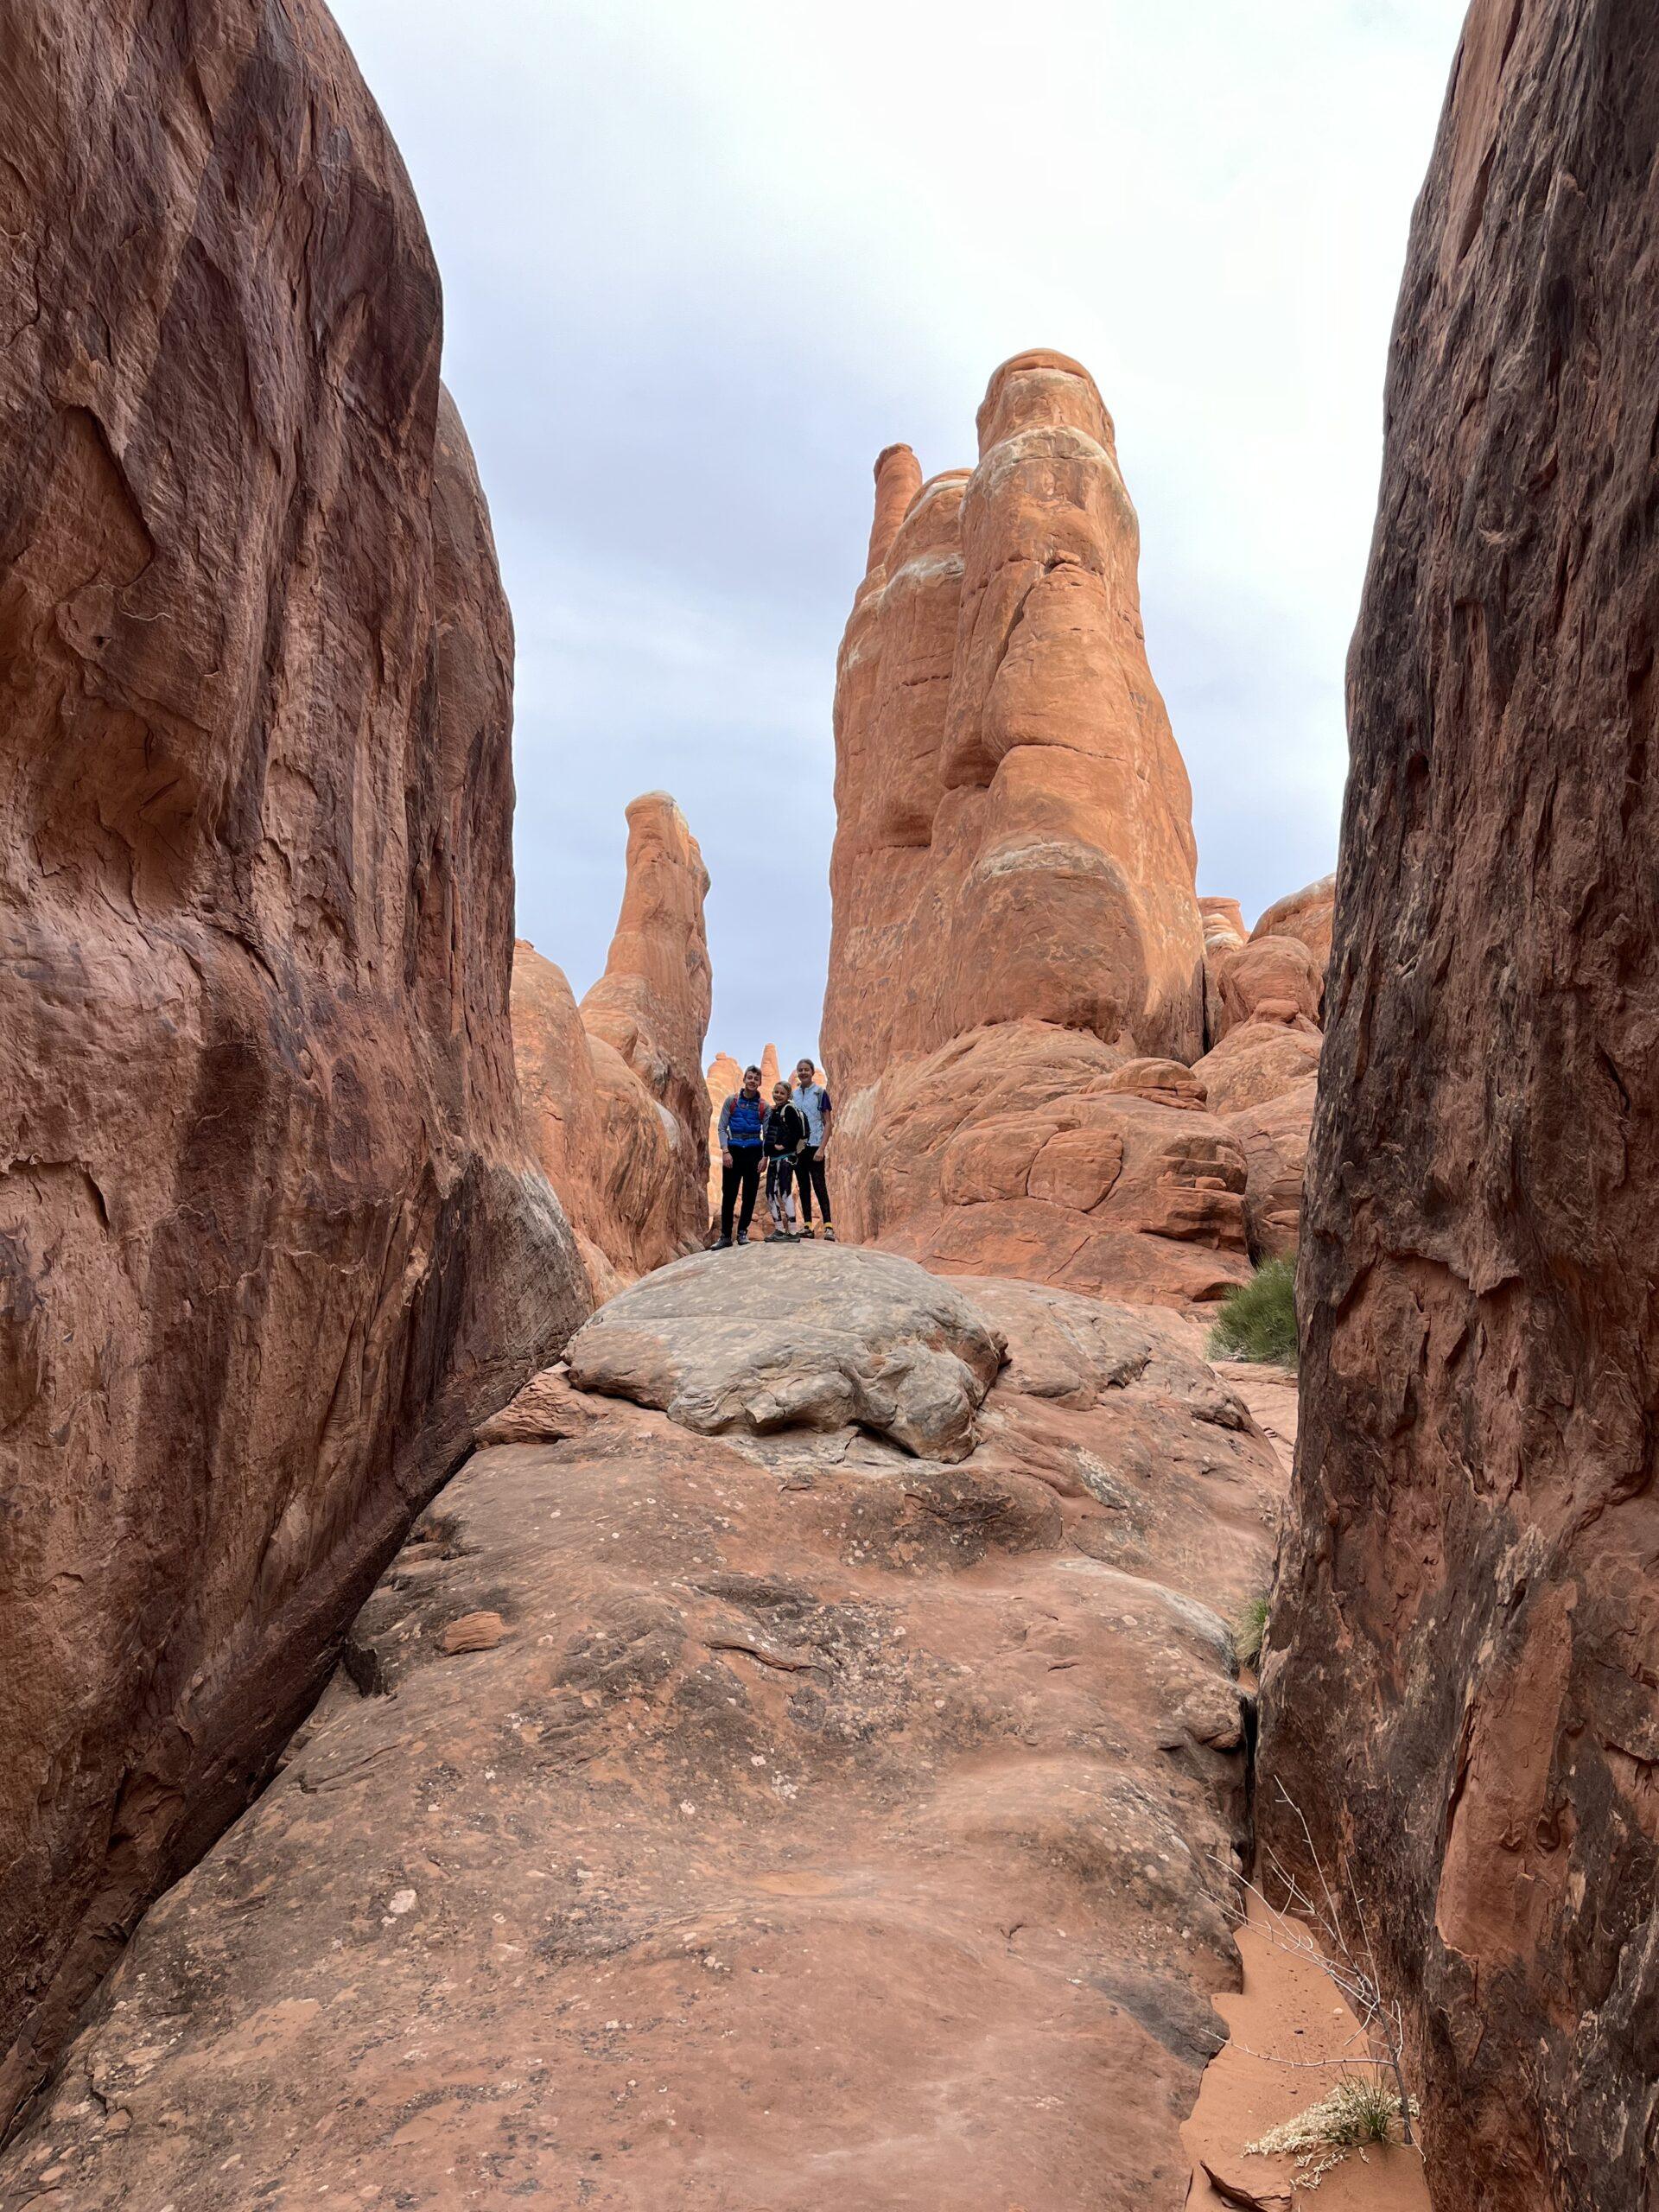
(1258, 1319)
(1249, 1631)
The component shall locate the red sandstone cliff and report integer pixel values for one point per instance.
(269, 1244)
(1465, 1642)
(612, 1093)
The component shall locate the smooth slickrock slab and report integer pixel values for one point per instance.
(270, 1243)
(828, 1826)
(1463, 1655)
(812, 1336)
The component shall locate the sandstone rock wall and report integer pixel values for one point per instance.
(1464, 1646)
(611, 1094)
(270, 1248)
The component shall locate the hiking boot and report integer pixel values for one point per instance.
(807, 1232)
(742, 1235)
(829, 1234)
(722, 1243)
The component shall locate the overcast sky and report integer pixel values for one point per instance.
(703, 259)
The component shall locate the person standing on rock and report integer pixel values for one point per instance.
(784, 1136)
(813, 1100)
(742, 1126)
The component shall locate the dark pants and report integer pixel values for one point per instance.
(809, 1177)
(743, 1174)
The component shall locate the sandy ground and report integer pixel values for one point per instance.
(1286, 2011)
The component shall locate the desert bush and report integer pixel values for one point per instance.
(1258, 1319)
(1358, 2110)
(1250, 1630)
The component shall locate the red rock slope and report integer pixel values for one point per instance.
(748, 1808)
(268, 1241)
(1466, 1642)
(612, 1095)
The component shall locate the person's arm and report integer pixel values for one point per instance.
(725, 1126)
(827, 1114)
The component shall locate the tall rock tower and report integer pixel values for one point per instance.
(612, 1091)
(1012, 874)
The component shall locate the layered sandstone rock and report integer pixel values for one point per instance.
(269, 1245)
(1013, 856)
(754, 1820)
(1273, 1135)
(1465, 1641)
(611, 1089)
(1014, 1150)
(1274, 976)
(1224, 933)
(1309, 915)
(1264, 996)
(651, 1003)
(1258, 1060)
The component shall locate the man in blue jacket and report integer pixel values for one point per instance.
(743, 1124)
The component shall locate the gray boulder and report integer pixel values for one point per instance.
(808, 1336)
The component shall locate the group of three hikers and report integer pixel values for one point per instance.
(789, 1135)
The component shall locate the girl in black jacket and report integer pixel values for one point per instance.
(783, 1134)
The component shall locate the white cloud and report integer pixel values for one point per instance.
(701, 263)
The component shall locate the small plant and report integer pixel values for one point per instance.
(1360, 2110)
(1251, 1630)
(1258, 1320)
